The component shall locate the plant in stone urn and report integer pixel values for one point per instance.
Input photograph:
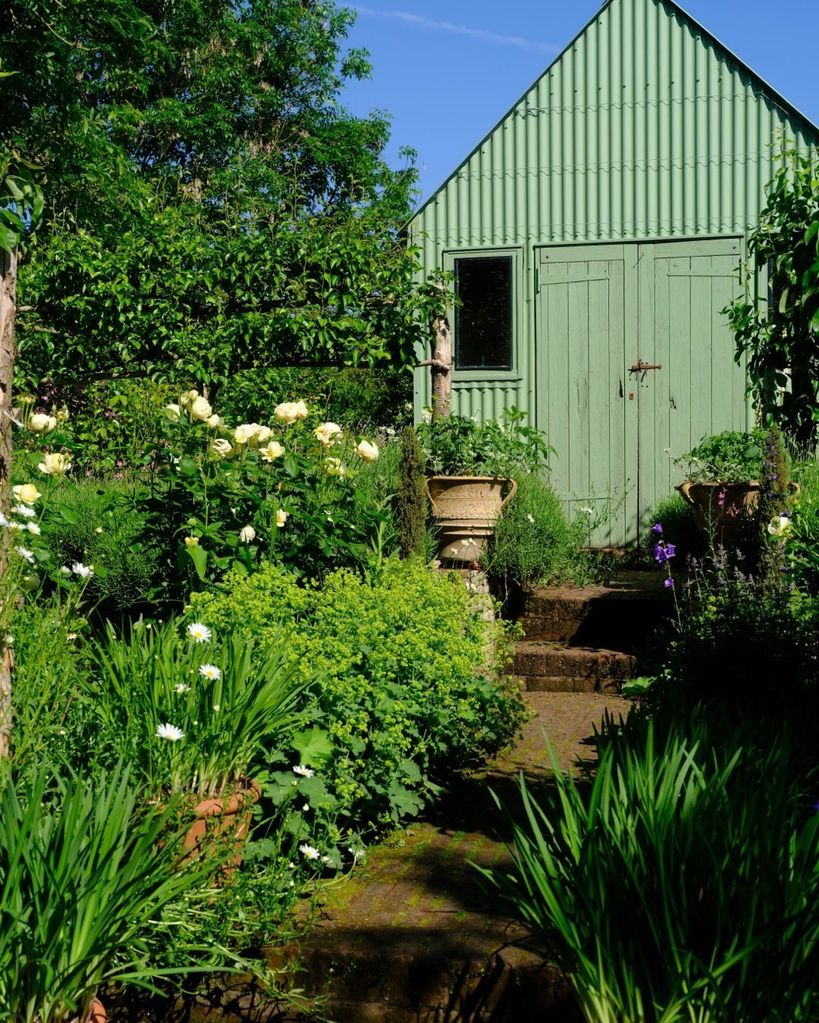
(471, 466)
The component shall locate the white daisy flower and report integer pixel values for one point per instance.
(210, 671)
(309, 851)
(303, 772)
(181, 688)
(32, 527)
(26, 511)
(199, 633)
(83, 571)
(24, 552)
(170, 732)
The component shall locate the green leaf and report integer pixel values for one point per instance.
(313, 746)
(199, 557)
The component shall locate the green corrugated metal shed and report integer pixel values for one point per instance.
(621, 187)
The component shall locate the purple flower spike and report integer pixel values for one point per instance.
(669, 583)
(657, 529)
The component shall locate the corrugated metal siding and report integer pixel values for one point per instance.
(644, 128)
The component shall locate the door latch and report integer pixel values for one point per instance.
(643, 367)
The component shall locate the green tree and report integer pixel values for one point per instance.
(779, 333)
(212, 206)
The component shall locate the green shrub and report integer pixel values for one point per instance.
(533, 541)
(460, 446)
(676, 516)
(681, 885)
(728, 457)
(96, 522)
(406, 693)
(411, 498)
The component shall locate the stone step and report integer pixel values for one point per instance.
(619, 616)
(553, 667)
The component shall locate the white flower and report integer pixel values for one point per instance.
(779, 525)
(366, 451)
(309, 851)
(221, 447)
(327, 433)
(25, 492)
(172, 411)
(181, 688)
(210, 671)
(200, 410)
(531, 518)
(271, 451)
(24, 552)
(3, 520)
(188, 398)
(199, 633)
(54, 464)
(71, 636)
(334, 467)
(32, 527)
(303, 772)
(65, 570)
(41, 423)
(290, 411)
(216, 708)
(586, 510)
(169, 732)
(281, 518)
(247, 533)
(245, 433)
(262, 435)
(306, 808)
(83, 571)
(99, 529)
(214, 421)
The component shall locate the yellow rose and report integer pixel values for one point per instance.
(245, 433)
(214, 422)
(55, 464)
(281, 517)
(25, 492)
(41, 423)
(272, 451)
(200, 410)
(262, 435)
(188, 398)
(327, 433)
(366, 451)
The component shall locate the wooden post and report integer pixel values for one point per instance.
(441, 368)
(8, 351)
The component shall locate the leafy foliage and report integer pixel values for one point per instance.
(212, 206)
(460, 446)
(729, 457)
(711, 844)
(411, 500)
(779, 337)
(402, 701)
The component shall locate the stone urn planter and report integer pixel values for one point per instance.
(464, 510)
(721, 510)
(96, 1013)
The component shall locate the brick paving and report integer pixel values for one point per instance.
(397, 939)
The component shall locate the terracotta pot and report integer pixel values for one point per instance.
(222, 823)
(465, 509)
(96, 1014)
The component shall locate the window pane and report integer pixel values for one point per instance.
(483, 320)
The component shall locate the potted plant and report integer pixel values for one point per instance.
(197, 716)
(85, 888)
(471, 468)
(723, 481)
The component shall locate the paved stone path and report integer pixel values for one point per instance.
(398, 924)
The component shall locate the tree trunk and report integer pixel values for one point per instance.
(8, 351)
(441, 364)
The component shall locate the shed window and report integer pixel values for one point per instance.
(483, 317)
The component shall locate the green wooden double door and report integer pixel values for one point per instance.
(635, 365)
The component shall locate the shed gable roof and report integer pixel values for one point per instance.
(672, 10)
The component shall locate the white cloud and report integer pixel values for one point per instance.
(454, 28)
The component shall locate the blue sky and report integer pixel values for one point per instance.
(448, 70)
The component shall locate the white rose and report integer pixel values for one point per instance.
(214, 422)
(290, 411)
(366, 451)
(221, 447)
(247, 533)
(272, 451)
(245, 433)
(263, 435)
(200, 410)
(55, 464)
(187, 399)
(327, 432)
(25, 492)
(172, 412)
(281, 517)
(41, 423)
